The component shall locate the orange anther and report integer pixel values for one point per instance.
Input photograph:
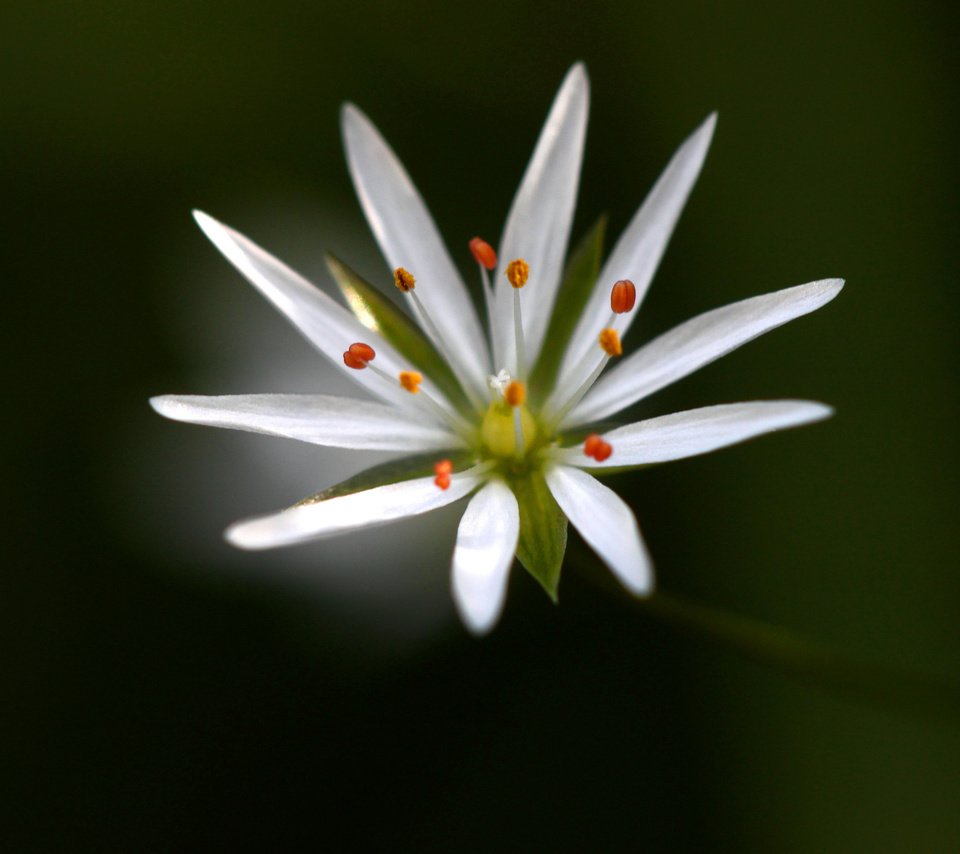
(411, 380)
(515, 394)
(483, 253)
(623, 297)
(403, 279)
(357, 355)
(443, 470)
(594, 446)
(518, 271)
(610, 342)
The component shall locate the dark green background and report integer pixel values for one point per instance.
(151, 705)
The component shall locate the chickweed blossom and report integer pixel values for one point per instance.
(515, 419)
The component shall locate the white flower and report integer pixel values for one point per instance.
(505, 421)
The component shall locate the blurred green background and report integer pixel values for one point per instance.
(162, 692)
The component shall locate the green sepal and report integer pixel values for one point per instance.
(393, 471)
(543, 531)
(579, 280)
(380, 315)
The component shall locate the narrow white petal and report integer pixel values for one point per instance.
(638, 252)
(697, 431)
(538, 225)
(366, 509)
(408, 238)
(338, 422)
(606, 523)
(696, 343)
(326, 325)
(486, 544)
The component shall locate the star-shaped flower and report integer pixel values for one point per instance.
(517, 422)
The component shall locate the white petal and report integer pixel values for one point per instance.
(606, 523)
(697, 431)
(326, 325)
(408, 238)
(486, 544)
(641, 245)
(696, 343)
(538, 226)
(338, 422)
(376, 506)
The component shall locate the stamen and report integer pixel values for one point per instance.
(610, 342)
(623, 297)
(404, 280)
(594, 446)
(483, 253)
(486, 258)
(411, 380)
(515, 394)
(443, 470)
(357, 356)
(518, 271)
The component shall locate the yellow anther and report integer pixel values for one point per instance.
(610, 342)
(515, 394)
(411, 380)
(518, 271)
(403, 279)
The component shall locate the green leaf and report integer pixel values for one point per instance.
(380, 315)
(392, 471)
(543, 531)
(579, 279)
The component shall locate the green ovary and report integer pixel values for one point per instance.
(498, 431)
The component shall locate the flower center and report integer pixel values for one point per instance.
(510, 437)
(499, 429)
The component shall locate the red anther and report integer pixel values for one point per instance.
(357, 355)
(483, 253)
(603, 451)
(594, 446)
(443, 470)
(623, 297)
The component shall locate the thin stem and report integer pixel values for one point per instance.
(518, 335)
(900, 690)
(488, 296)
(580, 392)
(454, 421)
